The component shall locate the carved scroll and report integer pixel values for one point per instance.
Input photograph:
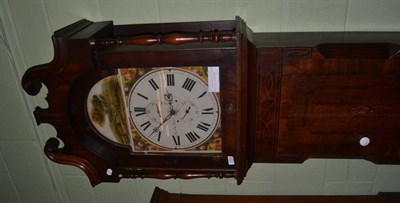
(56, 154)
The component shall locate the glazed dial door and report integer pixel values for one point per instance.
(173, 109)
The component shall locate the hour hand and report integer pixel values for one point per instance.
(186, 112)
(158, 111)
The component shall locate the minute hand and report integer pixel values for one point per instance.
(164, 120)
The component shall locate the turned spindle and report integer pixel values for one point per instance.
(172, 38)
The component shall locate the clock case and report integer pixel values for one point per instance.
(285, 97)
(86, 52)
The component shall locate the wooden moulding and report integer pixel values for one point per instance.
(172, 38)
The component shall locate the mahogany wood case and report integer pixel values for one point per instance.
(285, 97)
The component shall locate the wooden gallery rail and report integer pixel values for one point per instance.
(171, 38)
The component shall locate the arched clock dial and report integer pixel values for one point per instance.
(173, 109)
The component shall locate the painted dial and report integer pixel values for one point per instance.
(173, 109)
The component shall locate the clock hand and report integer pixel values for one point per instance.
(156, 129)
(158, 111)
(167, 118)
(188, 98)
(186, 112)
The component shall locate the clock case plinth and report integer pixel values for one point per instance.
(85, 52)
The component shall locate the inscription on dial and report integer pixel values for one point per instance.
(177, 140)
(170, 80)
(188, 84)
(208, 111)
(192, 136)
(139, 111)
(153, 84)
(203, 126)
(145, 125)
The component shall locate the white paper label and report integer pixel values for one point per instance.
(213, 79)
(109, 172)
(231, 161)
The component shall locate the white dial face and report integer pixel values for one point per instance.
(173, 109)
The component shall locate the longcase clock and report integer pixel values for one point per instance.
(207, 99)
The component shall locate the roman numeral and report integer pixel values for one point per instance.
(207, 111)
(177, 140)
(159, 136)
(192, 136)
(170, 80)
(144, 97)
(139, 111)
(145, 125)
(188, 84)
(202, 94)
(153, 84)
(203, 126)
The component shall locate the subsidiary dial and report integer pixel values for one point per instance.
(157, 110)
(188, 112)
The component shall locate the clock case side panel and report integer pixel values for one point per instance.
(72, 58)
(342, 93)
(334, 88)
(246, 69)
